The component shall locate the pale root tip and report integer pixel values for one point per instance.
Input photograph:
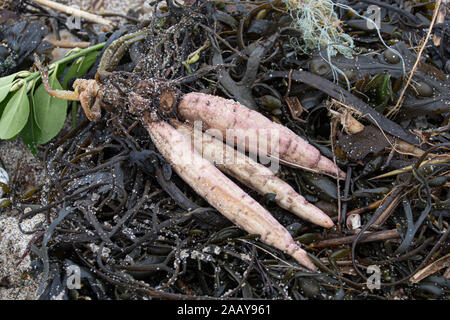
(301, 257)
(321, 219)
(315, 215)
(327, 223)
(327, 166)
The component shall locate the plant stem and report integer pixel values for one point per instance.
(72, 57)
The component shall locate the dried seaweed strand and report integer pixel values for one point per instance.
(397, 106)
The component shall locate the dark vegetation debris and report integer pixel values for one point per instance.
(115, 210)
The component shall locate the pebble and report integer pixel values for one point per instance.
(12, 242)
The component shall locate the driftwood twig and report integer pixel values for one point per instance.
(367, 237)
(75, 12)
(397, 106)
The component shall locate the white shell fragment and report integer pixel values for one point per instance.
(353, 221)
(4, 178)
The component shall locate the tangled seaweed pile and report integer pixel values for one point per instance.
(115, 210)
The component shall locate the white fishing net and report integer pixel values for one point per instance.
(320, 25)
(321, 29)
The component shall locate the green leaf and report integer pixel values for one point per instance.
(14, 137)
(80, 67)
(31, 133)
(5, 85)
(384, 93)
(375, 82)
(4, 102)
(15, 115)
(50, 113)
(60, 70)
